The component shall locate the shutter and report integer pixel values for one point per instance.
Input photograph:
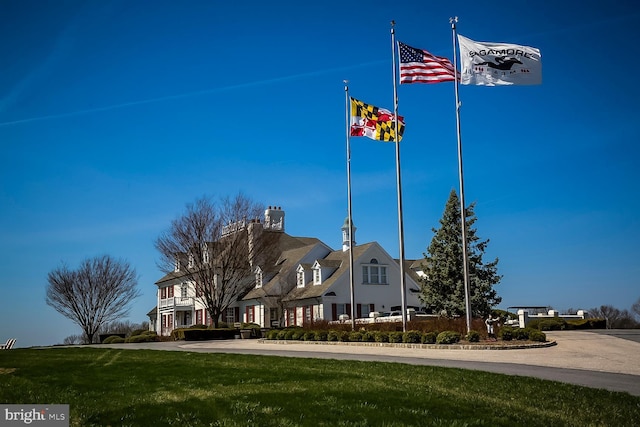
(349, 310)
(359, 311)
(334, 311)
(236, 314)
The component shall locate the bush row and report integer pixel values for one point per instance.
(410, 337)
(507, 333)
(141, 336)
(557, 324)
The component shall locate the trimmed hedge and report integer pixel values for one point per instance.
(208, 334)
(113, 339)
(448, 337)
(141, 338)
(412, 337)
(429, 338)
(473, 336)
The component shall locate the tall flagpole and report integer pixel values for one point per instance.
(350, 232)
(403, 288)
(465, 255)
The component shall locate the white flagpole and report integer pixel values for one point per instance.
(351, 286)
(465, 255)
(403, 288)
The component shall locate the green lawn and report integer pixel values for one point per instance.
(154, 388)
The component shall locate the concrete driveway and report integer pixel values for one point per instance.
(580, 357)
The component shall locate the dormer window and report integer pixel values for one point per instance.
(374, 273)
(205, 255)
(191, 261)
(317, 277)
(176, 265)
(300, 278)
(259, 277)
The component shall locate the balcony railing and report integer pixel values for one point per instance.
(176, 302)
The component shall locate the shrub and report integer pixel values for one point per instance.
(141, 338)
(293, 334)
(550, 325)
(521, 334)
(309, 336)
(177, 334)
(208, 334)
(473, 336)
(586, 324)
(199, 326)
(395, 336)
(344, 336)
(448, 337)
(282, 334)
(321, 335)
(333, 336)
(382, 336)
(273, 334)
(429, 337)
(113, 339)
(538, 336)
(506, 333)
(412, 337)
(138, 332)
(368, 336)
(355, 336)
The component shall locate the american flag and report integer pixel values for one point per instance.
(419, 66)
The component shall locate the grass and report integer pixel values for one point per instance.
(119, 387)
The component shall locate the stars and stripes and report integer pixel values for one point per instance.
(373, 122)
(419, 66)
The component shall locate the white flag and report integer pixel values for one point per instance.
(494, 64)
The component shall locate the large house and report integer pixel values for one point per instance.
(302, 280)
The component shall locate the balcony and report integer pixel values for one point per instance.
(177, 302)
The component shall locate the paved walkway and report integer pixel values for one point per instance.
(580, 357)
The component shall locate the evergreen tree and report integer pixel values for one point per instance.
(443, 283)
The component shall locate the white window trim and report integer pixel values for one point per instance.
(317, 276)
(383, 279)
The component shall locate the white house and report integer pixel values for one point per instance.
(303, 281)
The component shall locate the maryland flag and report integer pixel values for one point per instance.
(373, 122)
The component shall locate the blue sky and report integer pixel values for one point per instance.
(115, 114)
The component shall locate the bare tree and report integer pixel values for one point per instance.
(99, 291)
(635, 308)
(216, 245)
(616, 319)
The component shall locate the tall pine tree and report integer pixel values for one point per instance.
(443, 283)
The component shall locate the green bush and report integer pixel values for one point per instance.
(521, 334)
(586, 324)
(178, 334)
(273, 334)
(198, 326)
(333, 336)
(344, 336)
(381, 336)
(282, 334)
(209, 334)
(138, 332)
(141, 338)
(293, 334)
(473, 336)
(506, 333)
(554, 324)
(368, 336)
(448, 337)
(538, 336)
(321, 335)
(429, 337)
(309, 336)
(395, 336)
(113, 339)
(412, 337)
(355, 336)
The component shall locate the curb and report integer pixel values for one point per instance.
(519, 346)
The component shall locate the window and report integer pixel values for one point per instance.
(308, 317)
(374, 274)
(205, 255)
(170, 292)
(230, 315)
(300, 280)
(184, 291)
(191, 261)
(163, 293)
(317, 280)
(258, 278)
